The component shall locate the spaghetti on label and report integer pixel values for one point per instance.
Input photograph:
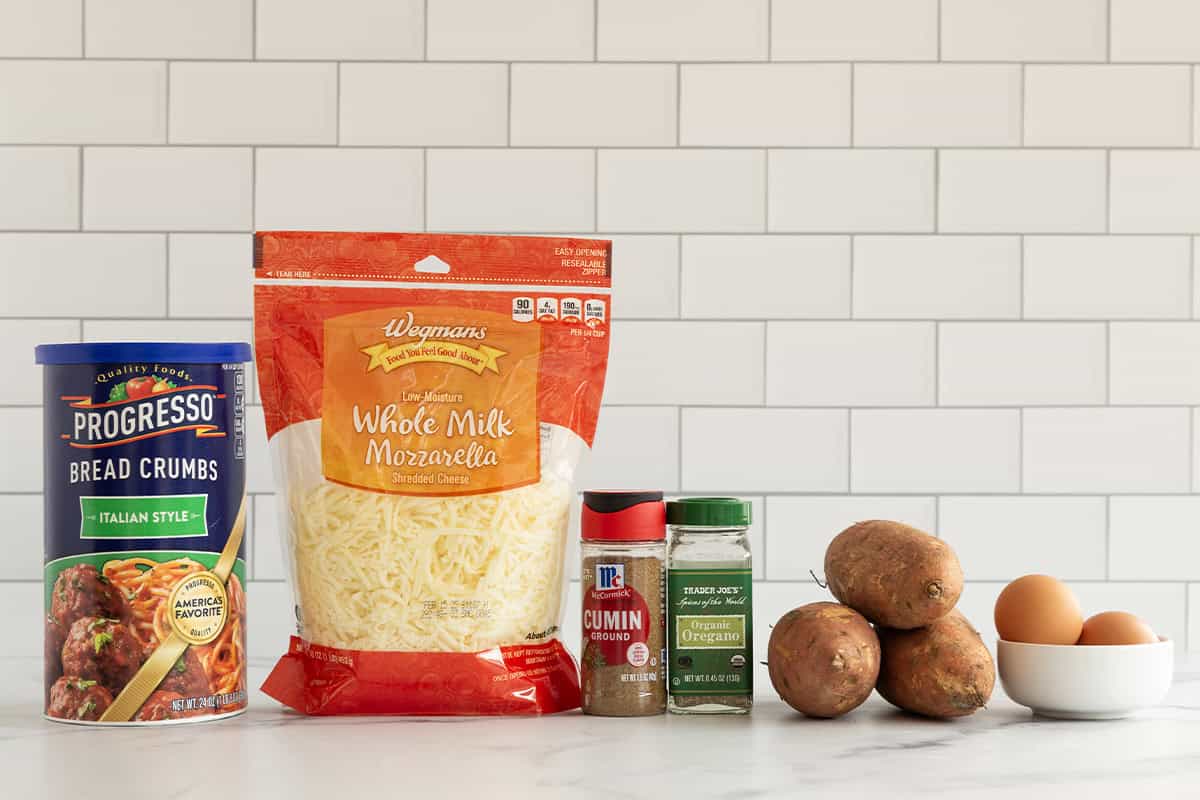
(426, 433)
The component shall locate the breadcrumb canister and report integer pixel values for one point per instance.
(145, 507)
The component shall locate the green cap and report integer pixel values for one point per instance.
(716, 512)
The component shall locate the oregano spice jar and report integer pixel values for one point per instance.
(624, 597)
(709, 600)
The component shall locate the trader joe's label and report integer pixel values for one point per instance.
(710, 632)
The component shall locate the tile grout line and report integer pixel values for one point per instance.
(83, 28)
(1108, 537)
(770, 56)
(508, 106)
(167, 267)
(424, 31)
(1108, 17)
(595, 29)
(939, 29)
(79, 200)
(1021, 277)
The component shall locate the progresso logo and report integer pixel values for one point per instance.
(610, 576)
(142, 408)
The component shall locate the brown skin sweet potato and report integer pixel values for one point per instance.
(893, 574)
(823, 659)
(941, 671)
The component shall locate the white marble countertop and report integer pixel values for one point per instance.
(875, 752)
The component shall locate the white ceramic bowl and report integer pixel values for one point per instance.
(1086, 681)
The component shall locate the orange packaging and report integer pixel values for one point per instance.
(427, 399)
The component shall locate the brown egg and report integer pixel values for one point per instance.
(1116, 627)
(1038, 609)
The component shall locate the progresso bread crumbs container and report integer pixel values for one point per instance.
(145, 481)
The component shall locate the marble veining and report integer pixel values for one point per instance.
(1002, 751)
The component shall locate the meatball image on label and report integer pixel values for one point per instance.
(81, 591)
(103, 650)
(78, 699)
(56, 634)
(187, 678)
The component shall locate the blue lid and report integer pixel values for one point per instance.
(132, 352)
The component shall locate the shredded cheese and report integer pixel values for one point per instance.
(459, 574)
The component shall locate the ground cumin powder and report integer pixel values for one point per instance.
(624, 604)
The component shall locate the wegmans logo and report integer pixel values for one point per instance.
(432, 343)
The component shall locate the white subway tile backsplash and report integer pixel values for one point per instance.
(25, 637)
(1155, 363)
(1155, 191)
(913, 105)
(1192, 615)
(340, 29)
(635, 448)
(800, 528)
(887, 211)
(647, 284)
(166, 188)
(669, 363)
(1104, 105)
(23, 386)
(682, 190)
(415, 104)
(171, 330)
(854, 30)
(210, 275)
(940, 277)
(770, 449)
(1155, 30)
(21, 433)
(258, 458)
(1106, 450)
(1002, 538)
(773, 105)
(83, 102)
(852, 191)
(78, 274)
(268, 547)
(1154, 538)
(770, 277)
(1021, 363)
(851, 363)
(1021, 191)
(1107, 277)
(169, 28)
(1024, 30)
(342, 190)
(41, 28)
(22, 514)
(247, 103)
(510, 190)
(518, 30)
(40, 188)
(935, 450)
(612, 105)
(682, 30)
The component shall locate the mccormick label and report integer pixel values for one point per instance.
(710, 632)
(622, 623)
(145, 471)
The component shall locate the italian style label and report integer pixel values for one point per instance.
(430, 400)
(710, 628)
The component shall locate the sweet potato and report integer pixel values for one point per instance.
(943, 670)
(823, 659)
(893, 574)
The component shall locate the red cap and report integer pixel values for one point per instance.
(623, 517)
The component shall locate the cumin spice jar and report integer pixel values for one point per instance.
(624, 604)
(709, 597)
